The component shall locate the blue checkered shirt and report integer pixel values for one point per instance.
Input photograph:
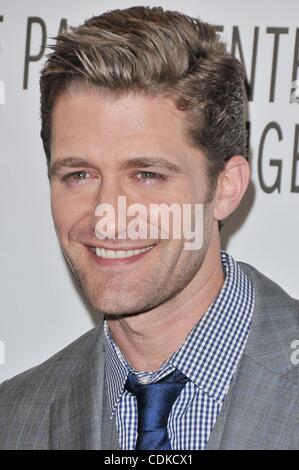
(208, 357)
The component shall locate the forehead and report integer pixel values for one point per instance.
(92, 122)
(126, 113)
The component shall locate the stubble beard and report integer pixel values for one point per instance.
(170, 278)
(165, 284)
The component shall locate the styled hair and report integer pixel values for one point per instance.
(152, 51)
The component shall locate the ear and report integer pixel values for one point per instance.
(231, 186)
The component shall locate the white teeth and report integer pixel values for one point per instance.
(102, 253)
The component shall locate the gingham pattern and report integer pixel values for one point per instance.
(208, 357)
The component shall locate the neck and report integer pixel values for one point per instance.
(147, 340)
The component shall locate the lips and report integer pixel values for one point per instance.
(117, 258)
(118, 254)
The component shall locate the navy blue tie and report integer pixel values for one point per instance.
(154, 402)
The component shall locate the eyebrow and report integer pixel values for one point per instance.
(69, 162)
(146, 162)
(141, 162)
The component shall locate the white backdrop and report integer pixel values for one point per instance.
(41, 311)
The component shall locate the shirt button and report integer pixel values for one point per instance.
(144, 380)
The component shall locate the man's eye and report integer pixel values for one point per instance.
(76, 176)
(149, 176)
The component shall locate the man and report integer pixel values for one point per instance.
(195, 349)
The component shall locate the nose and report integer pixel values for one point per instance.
(109, 221)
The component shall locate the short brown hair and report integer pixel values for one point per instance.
(149, 50)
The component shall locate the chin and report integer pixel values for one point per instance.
(109, 306)
(123, 307)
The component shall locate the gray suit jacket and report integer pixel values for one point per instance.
(62, 403)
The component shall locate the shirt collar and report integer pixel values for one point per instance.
(212, 349)
(117, 369)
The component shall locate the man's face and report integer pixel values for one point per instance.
(107, 134)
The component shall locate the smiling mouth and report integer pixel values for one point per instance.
(118, 254)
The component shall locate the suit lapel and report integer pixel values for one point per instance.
(76, 416)
(109, 430)
(258, 412)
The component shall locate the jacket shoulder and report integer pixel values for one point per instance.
(46, 380)
(26, 399)
(262, 282)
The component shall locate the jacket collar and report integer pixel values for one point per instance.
(76, 415)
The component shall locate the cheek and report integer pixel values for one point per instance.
(66, 213)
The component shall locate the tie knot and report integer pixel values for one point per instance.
(155, 400)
